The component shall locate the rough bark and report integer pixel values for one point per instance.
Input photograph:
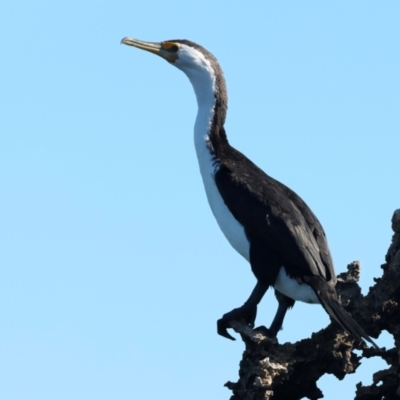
(269, 370)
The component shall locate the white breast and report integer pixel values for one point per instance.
(230, 227)
(203, 80)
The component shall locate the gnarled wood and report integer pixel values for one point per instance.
(290, 371)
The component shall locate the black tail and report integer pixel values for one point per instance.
(328, 298)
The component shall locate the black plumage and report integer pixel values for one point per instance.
(287, 246)
(282, 231)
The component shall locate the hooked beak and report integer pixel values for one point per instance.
(155, 48)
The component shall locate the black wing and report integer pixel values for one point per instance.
(276, 214)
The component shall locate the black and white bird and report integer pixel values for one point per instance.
(264, 221)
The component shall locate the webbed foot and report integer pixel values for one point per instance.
(246, 313)
(265, 331)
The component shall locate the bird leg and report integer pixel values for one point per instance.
(247, 313)
(284, 304)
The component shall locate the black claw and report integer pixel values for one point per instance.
(222, 329)
(246, 313)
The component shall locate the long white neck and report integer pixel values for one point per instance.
(207, 80)
(210, 140)
(203, 82)
(203, 86)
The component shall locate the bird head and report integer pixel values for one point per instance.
(200, 66)
(188, 56)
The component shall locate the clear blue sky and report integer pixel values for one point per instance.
(113, 271)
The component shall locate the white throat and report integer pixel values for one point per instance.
(201, 74)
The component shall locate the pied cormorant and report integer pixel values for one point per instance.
(263, 220)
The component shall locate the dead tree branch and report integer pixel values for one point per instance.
(290, 371)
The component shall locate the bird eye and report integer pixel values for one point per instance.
(170, 46)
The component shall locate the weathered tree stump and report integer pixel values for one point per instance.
(269, 370)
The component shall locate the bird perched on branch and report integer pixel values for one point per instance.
(263, 220)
